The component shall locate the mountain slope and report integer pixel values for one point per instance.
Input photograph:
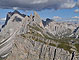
(37, 45)
(29, 39)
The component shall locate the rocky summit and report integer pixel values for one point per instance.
(25, 37)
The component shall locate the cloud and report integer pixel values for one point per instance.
(36, 4)
(15, 8)
(76, 17)
(39, 1)
(78, 3)
(57, 17)
(3, 19)
(76, 10)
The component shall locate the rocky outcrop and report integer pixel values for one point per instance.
(76, 32)
(37, 19)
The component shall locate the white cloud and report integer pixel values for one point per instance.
(15, 8)
(3, 19)
(37, 4)
(57, 17)
(78, 3)
(39, 1)
(68, 5)
(75, 17)
(76, 11)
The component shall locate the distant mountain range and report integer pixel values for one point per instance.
(25, 37)
(60, 28)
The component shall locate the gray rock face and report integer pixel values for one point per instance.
(13, 22)
(10, 14)
(16, 23)
(37, 17)
(28, 49)
(76, 32)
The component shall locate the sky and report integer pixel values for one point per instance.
(45, 8)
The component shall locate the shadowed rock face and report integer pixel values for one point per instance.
(26, 38)
(7, 18)
(47, 21)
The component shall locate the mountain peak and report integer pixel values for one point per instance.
(31, 16)
(16, 11)
(10, 14)
(36, 14)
